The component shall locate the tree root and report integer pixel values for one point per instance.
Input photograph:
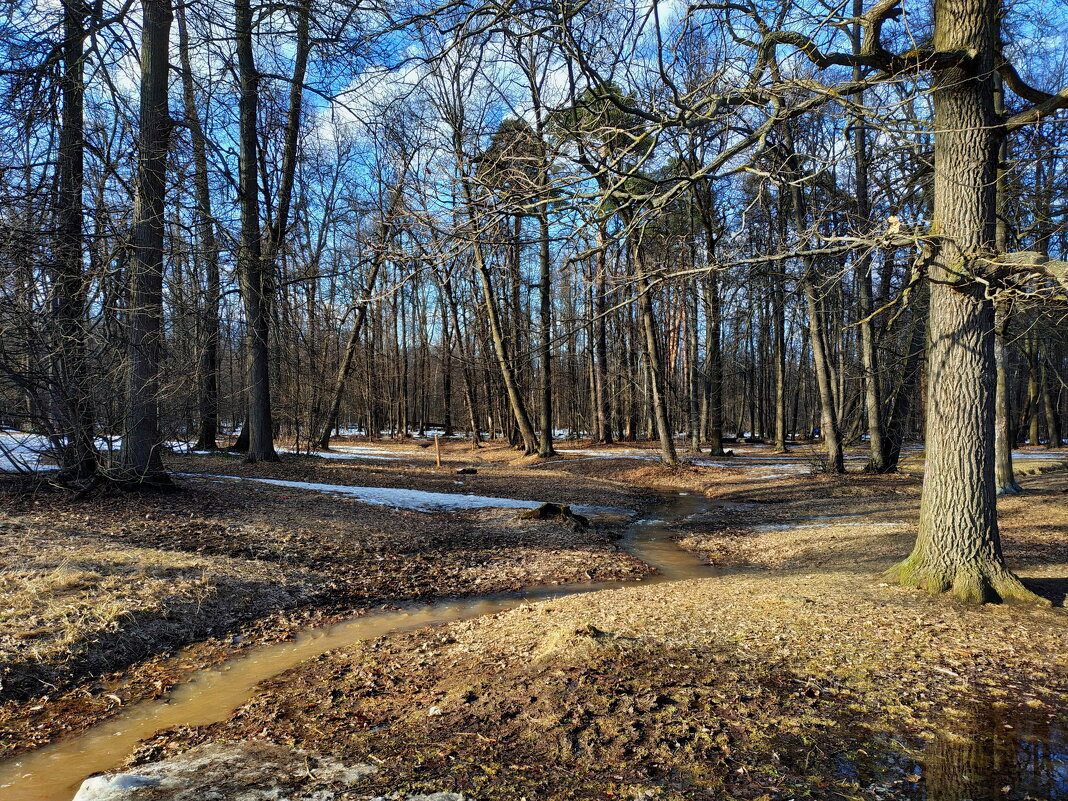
(973, 584)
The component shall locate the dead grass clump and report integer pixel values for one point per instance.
(70, 609)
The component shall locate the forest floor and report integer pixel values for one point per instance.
(796, 673)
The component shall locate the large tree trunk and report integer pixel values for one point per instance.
(958, 546)
(255, 282)
(78, 458)
(208, 368)
(141, 444)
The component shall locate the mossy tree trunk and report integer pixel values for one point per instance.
(958, 547)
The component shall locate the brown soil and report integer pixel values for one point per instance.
(804, 675)
(815, 679)
(99, 592)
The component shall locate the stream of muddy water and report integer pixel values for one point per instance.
(54, 772)
(1001, 758)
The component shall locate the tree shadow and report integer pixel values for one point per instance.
(1054, 590)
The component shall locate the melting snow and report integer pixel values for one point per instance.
(417, 500)
(23, 452)
(346, 452)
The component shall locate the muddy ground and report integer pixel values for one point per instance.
(99, 592)
(798, 674)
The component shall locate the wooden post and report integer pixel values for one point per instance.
(437, 449)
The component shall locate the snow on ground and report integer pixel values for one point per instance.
(416, 500)
(628, 453)
(348, 452)
(1039, 456)
(183, 447)
(23, 452)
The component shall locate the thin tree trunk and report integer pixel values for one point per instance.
(600, 329)
(652, 354)
(1004, 474)
(78, 457)
(208, 366)
(873, 402)
(545, 340)
(253, 270)
(337, 393)
(778, 295)
(511, 386)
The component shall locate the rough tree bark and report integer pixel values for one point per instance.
(255, 281)
(958, 546)
(141, 444)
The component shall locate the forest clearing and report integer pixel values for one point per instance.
(786, 668)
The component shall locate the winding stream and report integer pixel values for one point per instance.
(54, 772)
(1017, 755)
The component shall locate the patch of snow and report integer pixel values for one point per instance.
(115, 786)
(236, 771)
(416, 500)
(1048, 456)
(341, 452)
(629, 453)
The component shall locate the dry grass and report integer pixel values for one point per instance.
(753, 684)
(83, 606)
(757, 684)
(94, 586)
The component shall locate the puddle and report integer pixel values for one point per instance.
(53, 773)
(979, 754)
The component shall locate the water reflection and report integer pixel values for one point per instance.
(981, 754)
